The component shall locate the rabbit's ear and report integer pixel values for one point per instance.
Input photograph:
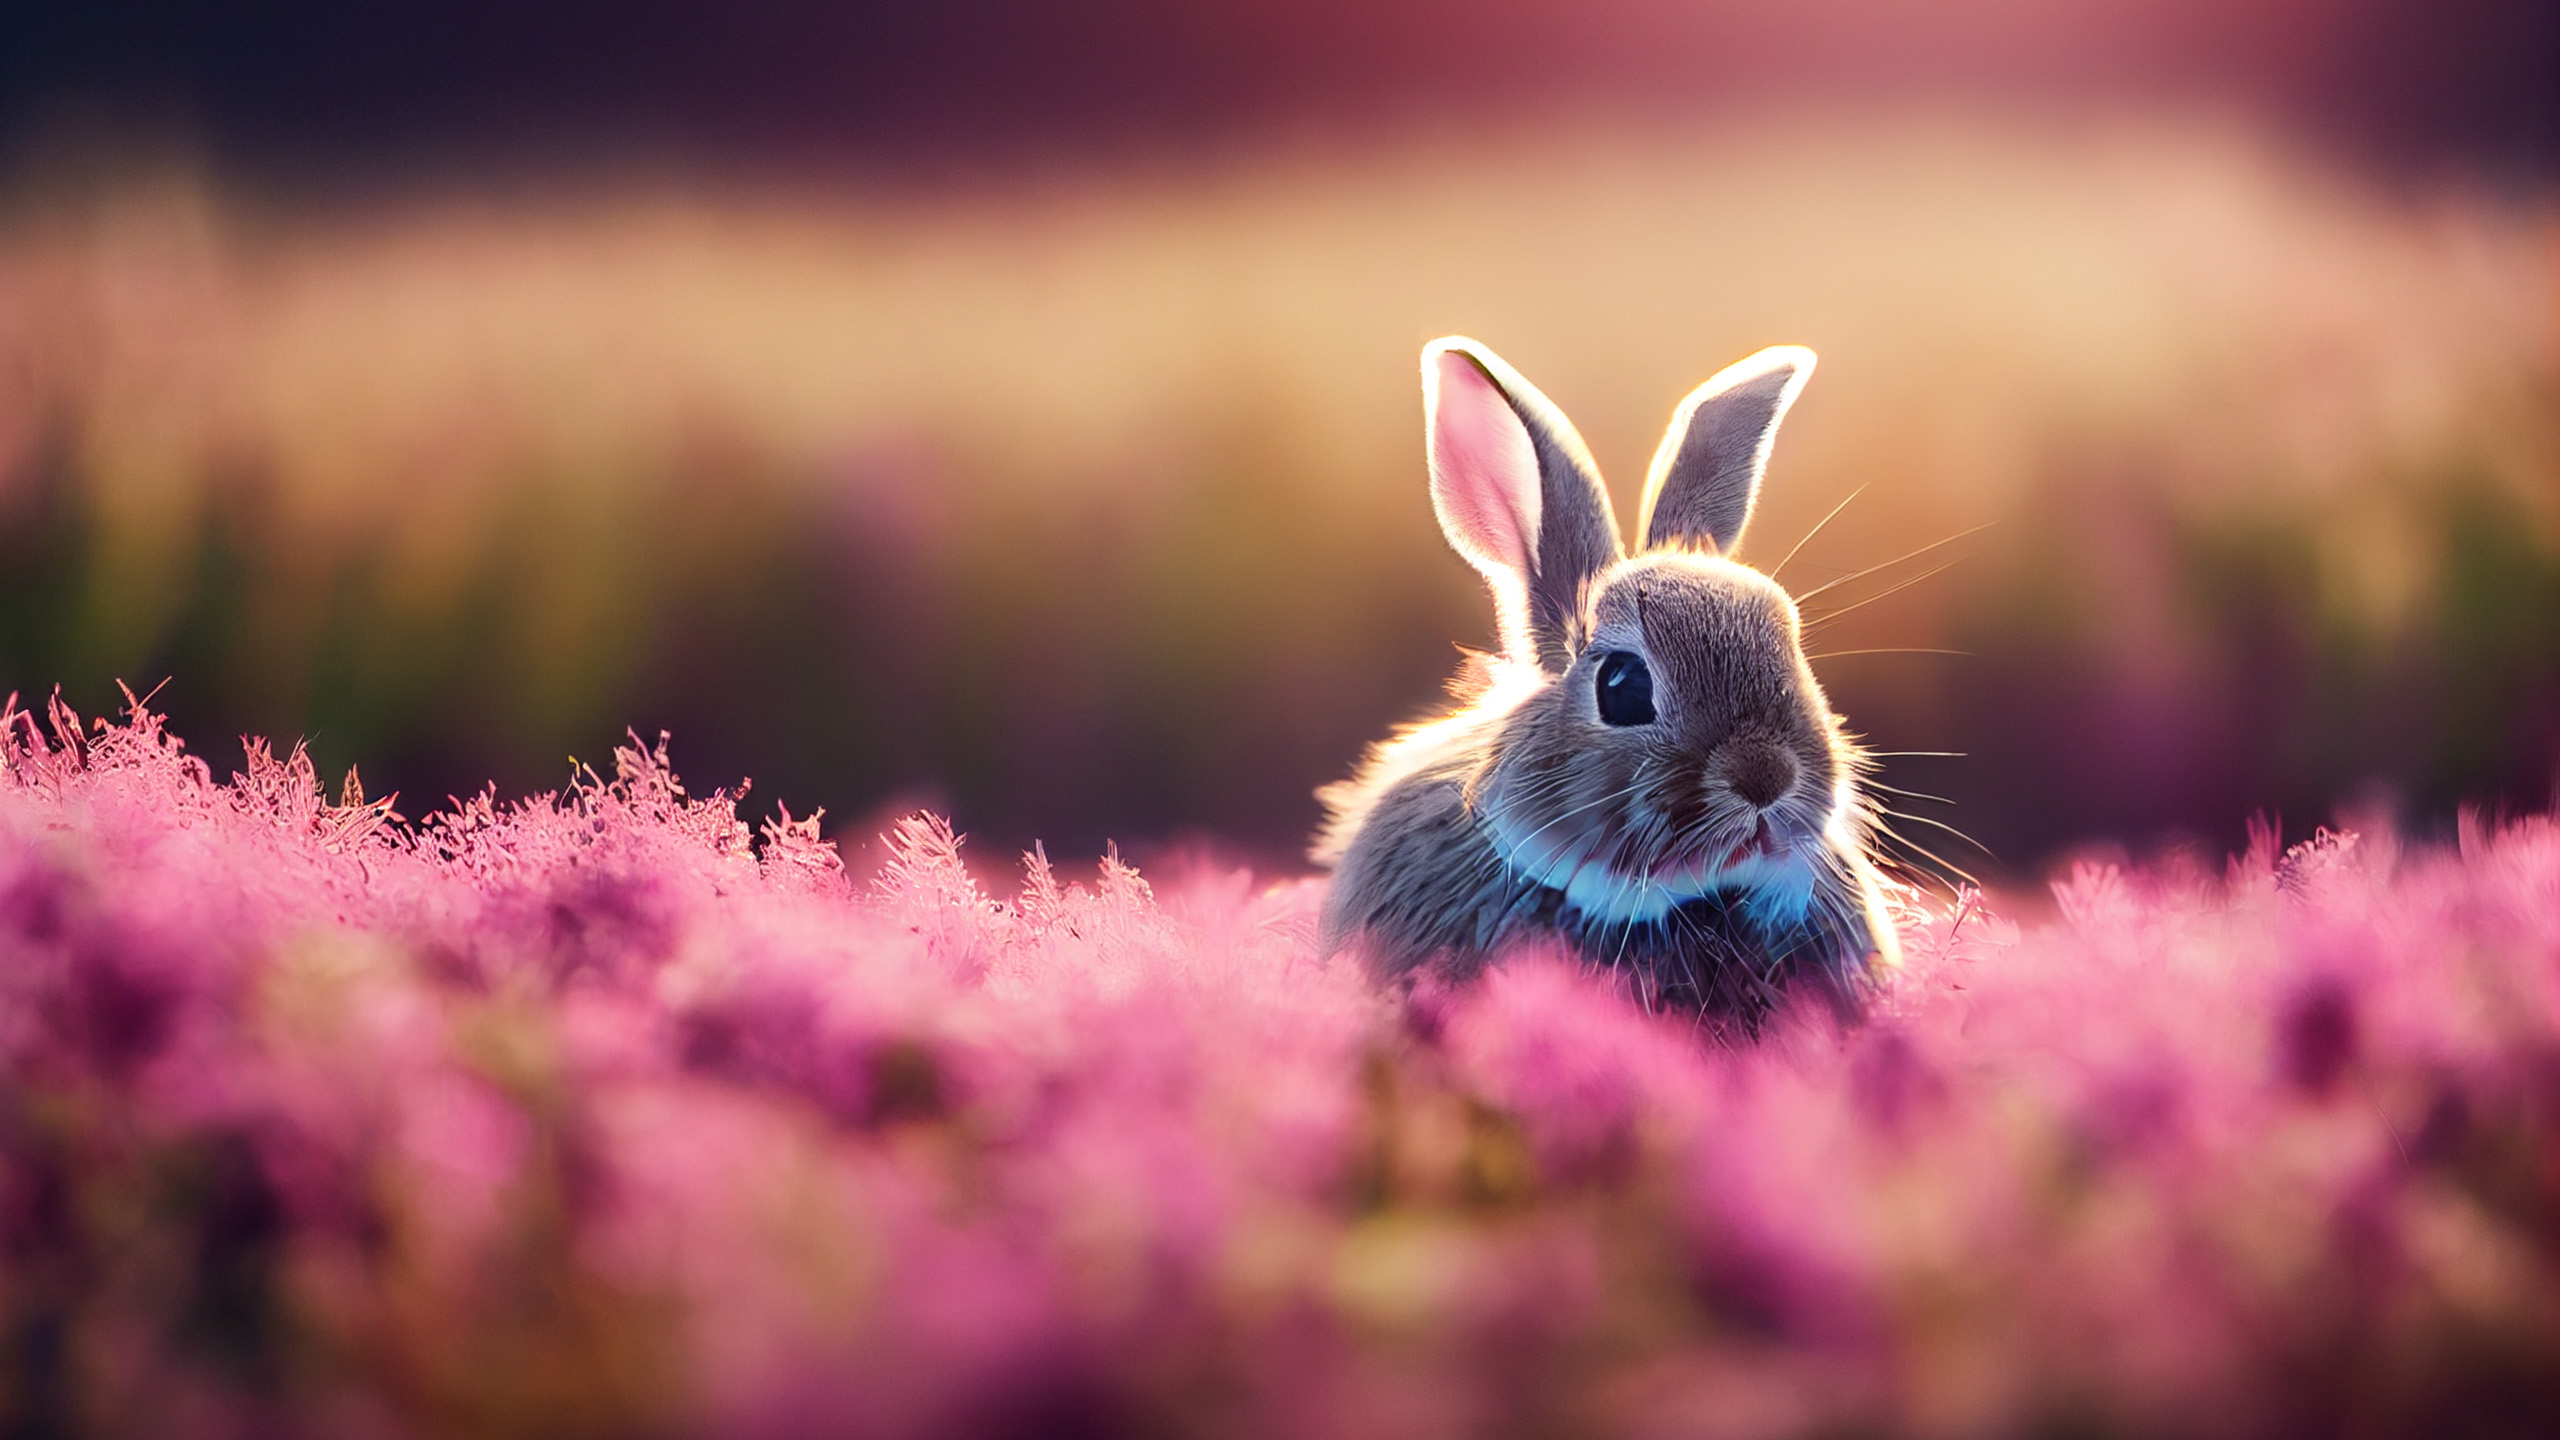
(1707, 472)
(1516, 493)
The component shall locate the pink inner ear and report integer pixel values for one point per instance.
(1484, 473)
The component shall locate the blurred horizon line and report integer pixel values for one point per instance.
(62, 168)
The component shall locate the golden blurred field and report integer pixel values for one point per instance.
(1091, 504)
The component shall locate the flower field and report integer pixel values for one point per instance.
(595, 1114)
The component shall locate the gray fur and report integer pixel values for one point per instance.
(1706, 476)
(1577, 531)
(1522, 815)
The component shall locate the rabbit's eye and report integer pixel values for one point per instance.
(1626, 689)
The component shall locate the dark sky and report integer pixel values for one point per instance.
(2468, 80)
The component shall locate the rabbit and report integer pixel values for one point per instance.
(1647, 771)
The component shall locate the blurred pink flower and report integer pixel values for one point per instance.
(596, 1113)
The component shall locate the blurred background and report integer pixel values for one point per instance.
(1010, 405)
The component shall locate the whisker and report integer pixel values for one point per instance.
(1896, 560)
(1827, 616)
(1816, 530)
(1626, 932)
(1891, 650)
(1913, 794)
(1925, 853)
(1934, 858)
(1942, 825)
(1620, 794)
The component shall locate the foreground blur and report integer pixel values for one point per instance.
(593, 1116)
(1094, 507)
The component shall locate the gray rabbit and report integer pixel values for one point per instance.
(1648, 771)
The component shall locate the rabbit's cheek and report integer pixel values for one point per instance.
(1687, 795)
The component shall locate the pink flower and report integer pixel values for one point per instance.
(597, 1112)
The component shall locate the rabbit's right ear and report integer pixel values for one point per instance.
(1516, 494)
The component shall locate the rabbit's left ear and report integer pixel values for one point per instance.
(1707, 472)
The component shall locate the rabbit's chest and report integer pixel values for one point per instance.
(1707, 954)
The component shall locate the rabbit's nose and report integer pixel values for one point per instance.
(1758, 770)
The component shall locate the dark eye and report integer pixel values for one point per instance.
(1626, 689)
